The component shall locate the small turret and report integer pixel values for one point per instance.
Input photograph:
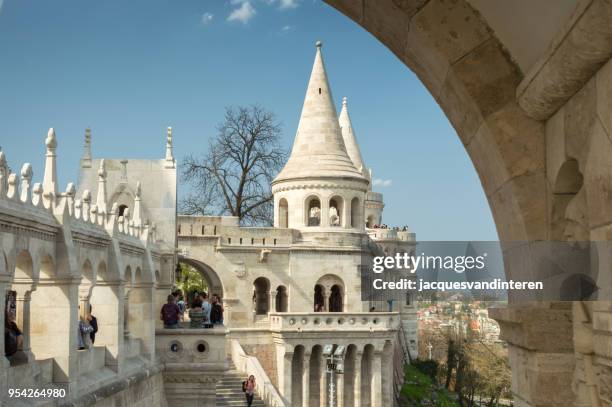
(350, 140)
(50, 177)
(101, 197)
(86, 159)
(169, 153)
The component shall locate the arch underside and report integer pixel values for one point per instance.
(212, 278)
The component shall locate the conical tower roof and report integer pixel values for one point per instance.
(350, 140)
(318, 149)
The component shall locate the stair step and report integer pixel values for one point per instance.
(229, 390)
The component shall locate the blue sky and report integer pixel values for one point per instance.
(131, 68)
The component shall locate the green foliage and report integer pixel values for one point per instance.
(190, 281)
(421, 389)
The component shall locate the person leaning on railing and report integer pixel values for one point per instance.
(197, 316)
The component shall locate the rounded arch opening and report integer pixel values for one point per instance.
(281, 299)
(261, 295)
(313, 211)
(336, 206)
(197, 277)
(283, 213)
(24, 268)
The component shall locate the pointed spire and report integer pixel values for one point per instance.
(86, 159)
(169, 156)
(137, 217)
(318, 149)
(50, 177)
(101, 197)
(350, 140)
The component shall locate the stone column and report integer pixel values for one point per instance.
(323, 396)
(306, 380)
(22, 318)
(376, 372)
(4, 363)
(107, 301)
(325, 213)
(540, 347)
(339, 389)
(345, 217)
(357, 380)
(54, 327)
(284, 358)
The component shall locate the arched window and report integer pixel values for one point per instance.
(122, 209)
(319, 298)
(313, 214)
(281, 299)
(335, 211)
(283, 213)
(261, 294)
(335, 299)
(355, 213)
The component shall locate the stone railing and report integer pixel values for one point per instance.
(374, 196)
(192, 345)
(334, 321)
(188, 225)
(391, 234)
(249, 365)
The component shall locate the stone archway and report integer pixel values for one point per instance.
(519, 122)
(210, 276)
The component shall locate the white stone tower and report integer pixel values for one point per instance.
(374, 204)
(319, 187)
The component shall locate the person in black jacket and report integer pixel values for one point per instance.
(216, 311)
(93, 321)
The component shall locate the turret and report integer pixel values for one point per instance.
(319, 186)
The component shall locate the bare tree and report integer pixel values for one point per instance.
(234, 177)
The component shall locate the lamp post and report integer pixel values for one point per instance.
(334, 354)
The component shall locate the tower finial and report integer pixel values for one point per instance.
(319, 44)
(169, 155)
(50, 176)
(86, 159)
(101, 197)
(344, 101)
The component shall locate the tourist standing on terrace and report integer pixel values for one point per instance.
(170, 313)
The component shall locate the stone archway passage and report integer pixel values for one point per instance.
(212, 278)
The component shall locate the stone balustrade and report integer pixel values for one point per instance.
(227, 227)
(334, 321)
(374, 196)
(391, 234)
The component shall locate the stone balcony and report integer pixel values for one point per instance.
(391, 234)
(286, 322)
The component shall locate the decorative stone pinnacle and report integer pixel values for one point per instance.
(318, 44)
(138, 190)
(344, 101)
(26, 171)
(2, 159)
(87, 135)
(102, 169)
(169, 155)
(51, 140)
(70, 189)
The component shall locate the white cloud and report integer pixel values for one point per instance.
(382, 182)
(243, 13)
(286, 29)
(207, 18)
(287, 4)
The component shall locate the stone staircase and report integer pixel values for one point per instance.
(229, 390)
